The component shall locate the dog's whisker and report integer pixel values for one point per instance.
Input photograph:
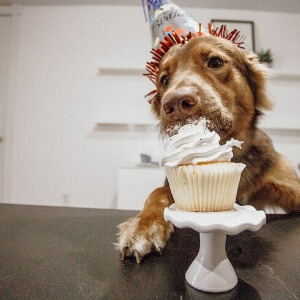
(234, 129)
(219, 126)
(242, 110)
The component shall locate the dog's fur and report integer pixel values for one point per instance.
(228, 85)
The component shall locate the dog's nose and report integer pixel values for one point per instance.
(179, 104)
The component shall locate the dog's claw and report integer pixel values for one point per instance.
(124, 251)
(138, 257)
(137, 240)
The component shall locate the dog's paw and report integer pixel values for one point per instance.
(139, 236)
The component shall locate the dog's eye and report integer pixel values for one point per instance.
(164, 80)
(215, 62)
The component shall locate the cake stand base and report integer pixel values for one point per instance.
(211, 271)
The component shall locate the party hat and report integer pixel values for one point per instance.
(166, 17)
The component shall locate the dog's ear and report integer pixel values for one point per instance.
(257, 75)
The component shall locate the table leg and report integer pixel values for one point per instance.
(211, 271)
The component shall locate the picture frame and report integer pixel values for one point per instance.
(245, 27)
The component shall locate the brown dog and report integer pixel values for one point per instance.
(211, 77)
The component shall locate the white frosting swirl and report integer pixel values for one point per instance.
(194, 144)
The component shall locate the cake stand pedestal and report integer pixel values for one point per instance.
(211, 270)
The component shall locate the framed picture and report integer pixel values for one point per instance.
(246, 29)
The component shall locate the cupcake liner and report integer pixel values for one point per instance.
(205, 187)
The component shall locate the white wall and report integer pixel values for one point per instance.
(5, 46)
(56, 154)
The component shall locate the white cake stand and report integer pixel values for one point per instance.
(211, 271)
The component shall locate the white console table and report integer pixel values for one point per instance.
(135, 183)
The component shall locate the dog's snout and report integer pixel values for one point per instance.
(179, 104)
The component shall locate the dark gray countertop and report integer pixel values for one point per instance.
(68, 253)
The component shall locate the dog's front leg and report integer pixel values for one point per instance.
(148, 230)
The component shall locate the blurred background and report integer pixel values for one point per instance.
(73, 118)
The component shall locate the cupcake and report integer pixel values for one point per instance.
(199, 170)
